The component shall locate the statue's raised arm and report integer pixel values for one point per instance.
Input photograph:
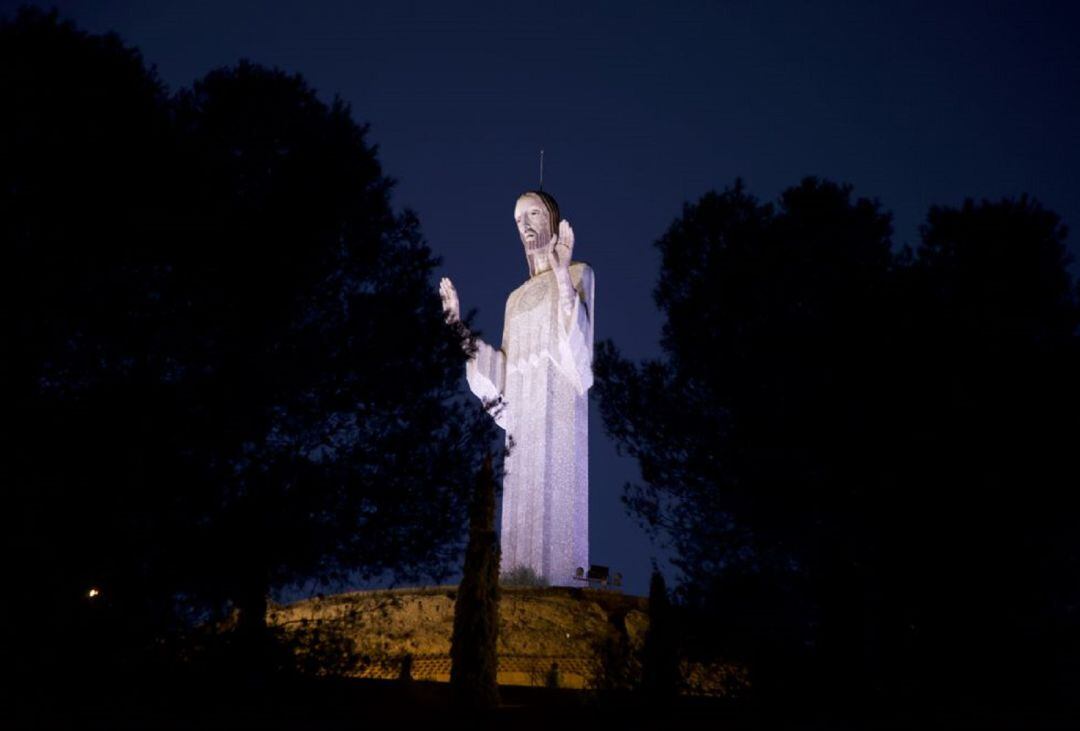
(575, 309)
(486, 368)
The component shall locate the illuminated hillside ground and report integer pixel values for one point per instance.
(546, 635)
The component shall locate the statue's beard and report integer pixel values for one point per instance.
(537, 253)
(537, 244)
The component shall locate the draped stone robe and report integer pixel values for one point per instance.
(538, 382)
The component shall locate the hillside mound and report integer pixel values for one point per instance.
(569, 637)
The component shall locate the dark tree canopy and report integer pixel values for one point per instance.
(229, 371)
(860, 455)
(84, 135)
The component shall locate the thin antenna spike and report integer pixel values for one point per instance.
(541, 168)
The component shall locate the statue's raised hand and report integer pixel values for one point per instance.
(562, 246)
(450, 304)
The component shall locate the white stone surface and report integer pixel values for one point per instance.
(537, 385)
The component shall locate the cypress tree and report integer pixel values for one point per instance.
(660, 661)
(473, 657)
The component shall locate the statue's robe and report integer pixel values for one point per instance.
(537, 387)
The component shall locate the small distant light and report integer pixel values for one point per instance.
(567, 635)
(93, 593)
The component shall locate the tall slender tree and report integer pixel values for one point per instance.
(660, 676)
(473, 673)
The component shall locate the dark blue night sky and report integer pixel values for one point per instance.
(642, 106)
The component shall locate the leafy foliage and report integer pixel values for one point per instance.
(858, 453)
(229, 371)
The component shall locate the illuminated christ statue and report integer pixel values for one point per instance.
(537, 387)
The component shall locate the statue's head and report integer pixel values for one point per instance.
(537, 218)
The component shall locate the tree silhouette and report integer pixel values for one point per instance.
(989, 421)
(91, 497)
(229, 369)
(857, 454)
(660, 678)
(473, 651)
(333, 376)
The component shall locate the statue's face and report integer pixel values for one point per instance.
(533, 224)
